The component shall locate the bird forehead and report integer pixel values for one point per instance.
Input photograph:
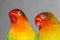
(15, 12)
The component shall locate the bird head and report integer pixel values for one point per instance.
(16, 14)
(45, 19)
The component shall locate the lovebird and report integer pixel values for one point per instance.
(20, 28)
(48, 26)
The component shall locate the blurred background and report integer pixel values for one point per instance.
(31, 9)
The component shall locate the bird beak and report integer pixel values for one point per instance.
(13, 18)
(38, 23)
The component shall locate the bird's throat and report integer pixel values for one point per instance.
(20, 25)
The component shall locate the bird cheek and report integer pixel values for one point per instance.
(13, 19)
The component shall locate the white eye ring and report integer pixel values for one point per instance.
(43, 16)
(19, 13)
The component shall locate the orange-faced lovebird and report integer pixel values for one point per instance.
(20, 28)
(48, 25)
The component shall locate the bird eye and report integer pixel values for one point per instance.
(19, 13)
(43, 16)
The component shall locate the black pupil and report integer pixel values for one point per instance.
(43, 15)
(20, 12)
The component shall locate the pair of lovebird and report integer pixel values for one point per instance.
(20, 28)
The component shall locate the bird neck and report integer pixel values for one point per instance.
(47, 24)
(20, 25)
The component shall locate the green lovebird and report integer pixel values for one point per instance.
(48, 25)
(20, 28)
